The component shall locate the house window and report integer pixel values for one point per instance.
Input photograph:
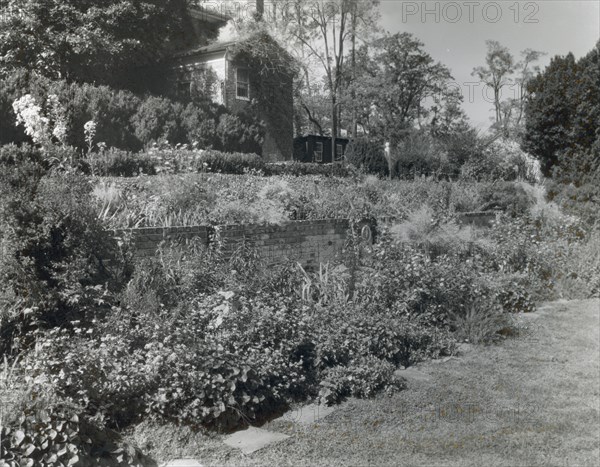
(242, 79)
(339, 151)
(318, 152)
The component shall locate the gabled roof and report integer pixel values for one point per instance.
(204, 49)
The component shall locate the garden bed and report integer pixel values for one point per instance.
(199, 338)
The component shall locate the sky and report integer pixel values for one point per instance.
(454, 33)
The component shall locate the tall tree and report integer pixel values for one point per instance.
(398, 85)
(563, 110)
(499, 66)
(325, 31)
(508, 81)
(525, 70)
(98, 41)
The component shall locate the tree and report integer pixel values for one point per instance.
(514, 108)
(563, 110)
(401, 96)
(397, 87)
(323, 31)
(500, 65)
(499, 74)
(89, 40)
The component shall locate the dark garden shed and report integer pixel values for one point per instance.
(317, 148)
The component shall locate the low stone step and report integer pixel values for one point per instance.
(309, 414)
(187, 462)
(253, 439)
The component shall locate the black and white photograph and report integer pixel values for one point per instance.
(271, 233)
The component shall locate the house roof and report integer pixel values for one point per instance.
(204, 49)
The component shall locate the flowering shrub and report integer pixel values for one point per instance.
(502, 159)
(30, 115)
(89, 130)
(39, 125)
(548, 255)
(514, 297)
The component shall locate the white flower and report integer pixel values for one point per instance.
(29, 114)
(90, 126)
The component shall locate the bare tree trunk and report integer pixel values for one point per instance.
(334, 128)
(353, 64)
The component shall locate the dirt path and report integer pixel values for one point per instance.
(533, 400)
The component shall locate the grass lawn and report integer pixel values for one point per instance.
(532, 400)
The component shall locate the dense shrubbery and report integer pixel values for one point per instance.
(556, 255)
(53, 265)
(368, 156)
(419, 153)
(464, 155)
(298, 169)
(118, 163)
(174, 160)
(502, 160)
(128, 121)
(511, 198)
(575, 182)
(181, 159)
(181, 349)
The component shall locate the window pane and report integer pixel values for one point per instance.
(243, 83)
(242, 90)
(243, 75)
(318, 152)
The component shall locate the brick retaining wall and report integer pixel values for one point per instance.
(308, 242)
(146, 240)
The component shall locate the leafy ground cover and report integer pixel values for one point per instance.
(531, 401)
